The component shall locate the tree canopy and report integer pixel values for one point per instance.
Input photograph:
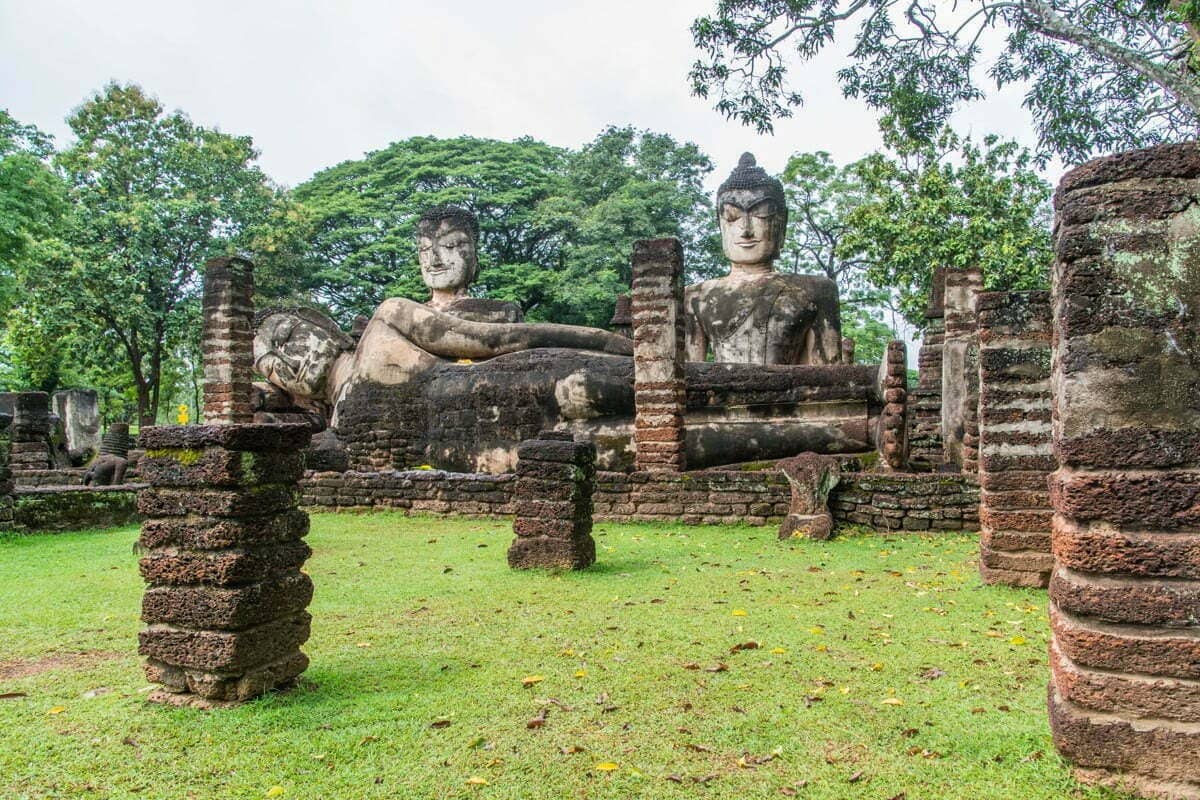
(1100, 76)
(556, 225)
(151, 197)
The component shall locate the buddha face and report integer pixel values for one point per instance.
(752, 226)
(447, 256)
(295, 354)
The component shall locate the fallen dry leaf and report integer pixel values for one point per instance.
(530, 680)
(606, 766)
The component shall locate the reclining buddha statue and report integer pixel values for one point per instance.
(457, 382)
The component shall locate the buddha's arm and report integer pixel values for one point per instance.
(695, 343)
(447, 336)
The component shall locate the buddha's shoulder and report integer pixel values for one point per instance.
(482, 309)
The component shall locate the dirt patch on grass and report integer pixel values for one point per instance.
(28, 667)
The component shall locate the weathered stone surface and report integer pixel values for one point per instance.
(228, 608)
(252, 437)
(224, 651)
(811, 477)
(658, 356)
(225, 606)
(554, 508)
(209, 533)
(217, 466)
(1125, 598)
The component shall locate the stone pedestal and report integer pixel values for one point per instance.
(227, 341)
(960, 369)
(925, 399)
(1014, 437)
(893, 421)
(555, 481)
(659, 388)
(225, 606)
(811, 477)
(31, 432)
(1125, 594)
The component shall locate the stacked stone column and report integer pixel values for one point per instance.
(227, 341)
(226, 603)
(30, 449)
(659, 388)
(893, 423)
(6, 481)
(556, 478)
(1125, 594)
(960, 370)
(1014, 437)
(925, 400)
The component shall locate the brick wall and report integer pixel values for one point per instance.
(895, 501)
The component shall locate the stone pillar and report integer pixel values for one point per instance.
(960, 368)
(225, 607)
(31, 432)
(893, 423)
(79, 411)
(925, 400)
(227, 340)
(1014, 437)
(659, 390)
(556, 478)
(1125, 594)
(6, 481)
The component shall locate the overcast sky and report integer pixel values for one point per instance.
(316, 83)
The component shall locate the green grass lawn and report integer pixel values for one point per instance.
(690, 662)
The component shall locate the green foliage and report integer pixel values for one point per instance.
(1102, 76)
(417, 620)
(152, 197)
(951, 204)
(556, 226)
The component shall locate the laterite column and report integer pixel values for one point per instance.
(556, 478)
(6, 481)
(893, 444)
(227, 341)
(925, 400)
(1014, 437)
(659, 390)
(30, 448)
(225, 610)
(1125, 594)
(960, 369)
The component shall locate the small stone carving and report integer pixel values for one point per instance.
(756, 315)
(108, 468)
(812, 478)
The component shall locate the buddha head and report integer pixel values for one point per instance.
(447, 238)
(752, 214)
(295, 349)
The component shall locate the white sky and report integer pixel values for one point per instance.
(316, 83)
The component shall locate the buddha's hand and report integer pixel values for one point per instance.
(619, 345)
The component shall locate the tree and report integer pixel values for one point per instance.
(153, 196)
(32, 203)
(1102, 76)
(556, 226)
(949, 204)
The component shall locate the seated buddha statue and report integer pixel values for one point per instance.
(755, 315)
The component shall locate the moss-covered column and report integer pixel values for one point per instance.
(960, 369)
(6, 481)
(1125, 593)
(556, 478)
(1014, 437)
(226, 604)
